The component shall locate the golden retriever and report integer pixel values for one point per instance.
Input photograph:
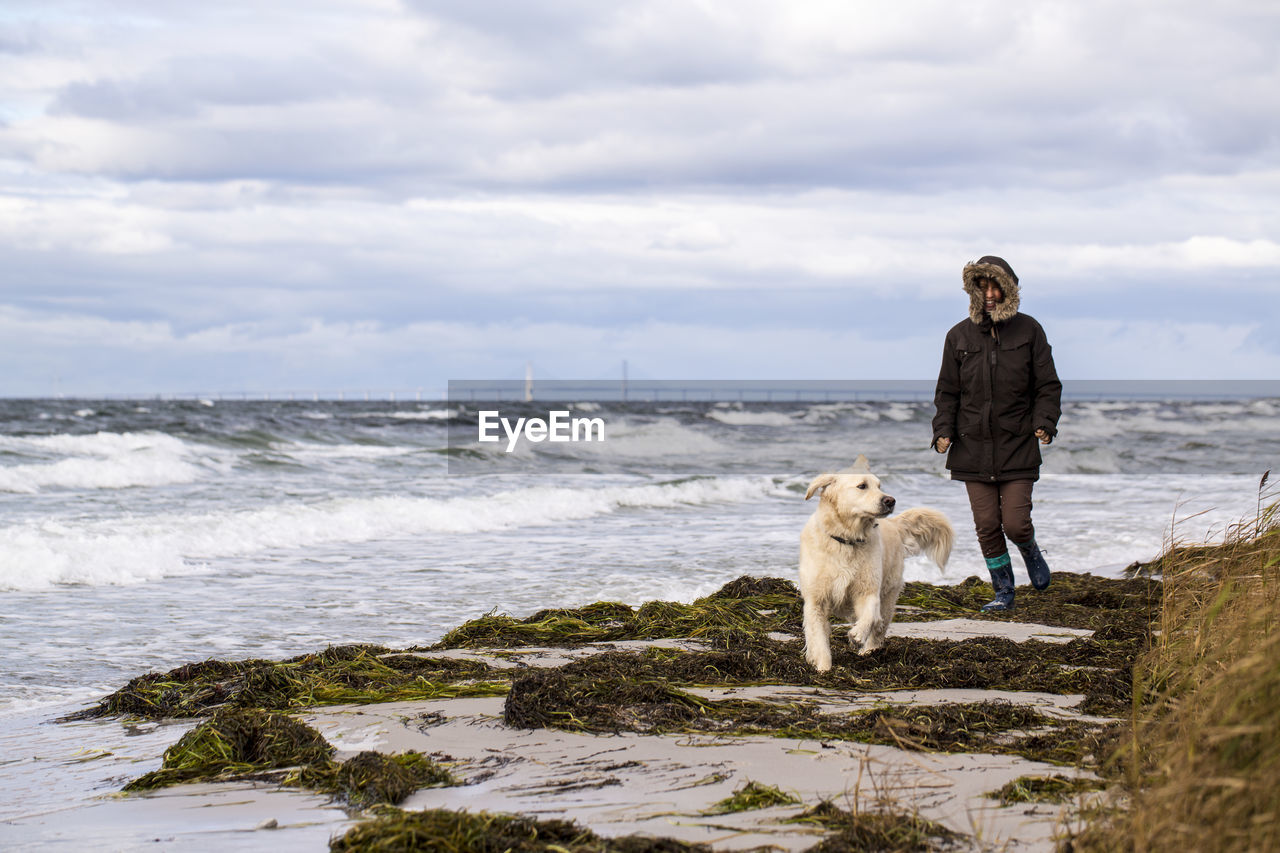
(851, 557)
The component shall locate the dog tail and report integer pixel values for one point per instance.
(927, 531)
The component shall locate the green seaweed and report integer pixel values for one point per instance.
(372, 778)
(1045, 789)
(484, 832)
(774, 606)
(354, 674)
(236, 743)
(589, 702)
(239, 743)
(752, 795)
(881, 830)
(740, 624)
(1071, 601)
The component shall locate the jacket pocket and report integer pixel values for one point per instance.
(1015, 424)
(970, 365)
(1013, 368)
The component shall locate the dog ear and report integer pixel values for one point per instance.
(821, 482)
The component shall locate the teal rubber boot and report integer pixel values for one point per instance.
(1001, 569)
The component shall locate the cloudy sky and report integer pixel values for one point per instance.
(393, 193)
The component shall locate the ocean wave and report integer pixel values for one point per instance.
(628, 439)
(416, 415)
(100, 461)
(39, 555)
(747, 418)
(308, 452)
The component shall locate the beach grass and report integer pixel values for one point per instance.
(1200, 761)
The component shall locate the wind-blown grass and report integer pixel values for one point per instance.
(1201, 759)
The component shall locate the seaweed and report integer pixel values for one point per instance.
(752, 795)
(1071, 601)
(353, 674)
(880, 830)
(484, 832)
(738, 623)
(756, 605)
(238, 743)
(1045, 789)
(1098, 670)
(371, 778)
(589, 702)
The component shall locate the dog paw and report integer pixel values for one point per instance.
(868, 648)
(821, 663)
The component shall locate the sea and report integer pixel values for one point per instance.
(138, 535)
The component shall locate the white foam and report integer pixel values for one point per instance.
(417, 415)
(306, 452)
(100, 461)
(127, 550)
(742, 418)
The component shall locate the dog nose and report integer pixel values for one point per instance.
(888, 502)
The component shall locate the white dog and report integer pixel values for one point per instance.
(851, 557)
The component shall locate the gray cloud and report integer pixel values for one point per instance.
(235, 182)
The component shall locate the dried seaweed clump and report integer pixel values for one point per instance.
(445, 831)
(237, 743)
(355, 674)
(750, 796)
(372, 778)
(884, 831)
(1045, 789)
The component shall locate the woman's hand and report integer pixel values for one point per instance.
(942, 444)
(1044, 437)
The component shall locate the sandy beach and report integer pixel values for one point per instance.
(667, 784)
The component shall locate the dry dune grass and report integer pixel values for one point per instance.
(1202, 764)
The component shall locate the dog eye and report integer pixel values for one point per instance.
(862, 485)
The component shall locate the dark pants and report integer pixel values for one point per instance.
(1000, 510)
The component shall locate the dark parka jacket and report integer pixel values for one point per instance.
(997, 385)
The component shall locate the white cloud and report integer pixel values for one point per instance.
(245, 177)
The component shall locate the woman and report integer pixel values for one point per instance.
(998, 395)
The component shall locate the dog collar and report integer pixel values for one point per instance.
(843, 541)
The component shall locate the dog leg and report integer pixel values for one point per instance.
(817, 638)
(887, 607)
(867, 624)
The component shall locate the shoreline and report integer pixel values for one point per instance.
(856, 772)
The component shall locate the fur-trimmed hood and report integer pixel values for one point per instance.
(990, 266)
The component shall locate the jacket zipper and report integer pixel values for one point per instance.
(991, 397)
